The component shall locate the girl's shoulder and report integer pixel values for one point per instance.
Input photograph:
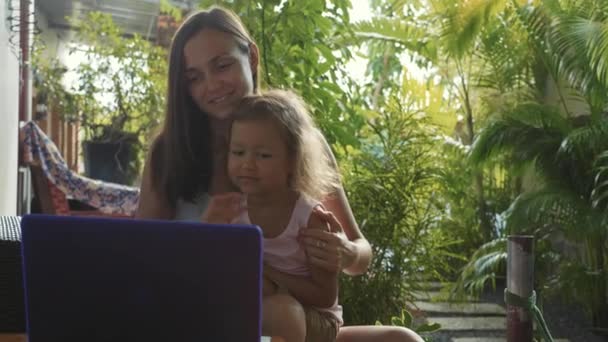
(305, 201)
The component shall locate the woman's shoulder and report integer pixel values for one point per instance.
(306, 201)
(153, 202)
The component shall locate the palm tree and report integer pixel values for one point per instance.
(477, 48)
(566, 149)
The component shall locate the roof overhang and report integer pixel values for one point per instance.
(133, 16)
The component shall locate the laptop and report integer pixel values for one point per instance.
(108, 279)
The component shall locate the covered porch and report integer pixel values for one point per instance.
(45, 21)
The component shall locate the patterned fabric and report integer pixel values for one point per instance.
(109, 198)
(12, 307)
(59, 199)
(10, 228)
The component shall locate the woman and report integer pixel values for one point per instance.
(213, 64)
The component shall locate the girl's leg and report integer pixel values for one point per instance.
(371, 333)
(283, 315)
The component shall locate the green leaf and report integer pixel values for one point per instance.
(428, 328)
(406, 318)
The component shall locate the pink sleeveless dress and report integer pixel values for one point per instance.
(285, 253)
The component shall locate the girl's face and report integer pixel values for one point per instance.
(218, 73)
(258, 161)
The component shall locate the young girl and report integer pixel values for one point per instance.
(277, 161)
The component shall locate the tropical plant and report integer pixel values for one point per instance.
(119, 88)
(477, 48)
(440, 38)
(457, 83)
(457, 203)
(565, 148)
(121, 80)
(390, 183)
(405, 319)
(562, 152)
(303, 46)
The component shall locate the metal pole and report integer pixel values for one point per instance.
(520, 281)
(25, 96)
(26, 18)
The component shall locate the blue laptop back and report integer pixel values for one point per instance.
(102, 279)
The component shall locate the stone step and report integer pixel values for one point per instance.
(493, 339)
(468, 309)
(427, 295)
(458, 324)
(463, 324)
(434, 286)
(438, 296)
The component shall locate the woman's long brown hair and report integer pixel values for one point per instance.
(181, 158)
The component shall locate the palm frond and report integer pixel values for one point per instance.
(527, 132)
(486, 263)
(555, 206)
(572, 42)
(412, 35)
(580, 148)
(508, 61)
(580, 48)
(579, 281)
(599, 193)
(594, 35)
(462, 22)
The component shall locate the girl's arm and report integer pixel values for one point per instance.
(152, 204)
(224, 208)
(320, 289)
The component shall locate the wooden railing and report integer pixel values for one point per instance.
(64, 134)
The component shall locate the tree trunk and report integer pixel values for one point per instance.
(600, 312)
(482, 209)
(383, 75)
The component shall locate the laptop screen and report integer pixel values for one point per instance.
(102, 279)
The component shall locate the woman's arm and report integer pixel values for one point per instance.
(348, 249)
(320, 289)
(153, 203)
(357, 252)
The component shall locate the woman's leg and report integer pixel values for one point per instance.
(283, 315)
(372, 333)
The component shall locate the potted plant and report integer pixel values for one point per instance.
(117, 95)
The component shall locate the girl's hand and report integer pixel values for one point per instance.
(224, 208)
(328, 249)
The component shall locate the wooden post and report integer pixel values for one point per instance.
(520, 281)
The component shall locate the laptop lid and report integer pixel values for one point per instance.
(104, 279)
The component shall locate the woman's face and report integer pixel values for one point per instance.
(218, 73)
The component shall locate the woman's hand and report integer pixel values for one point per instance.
(330, 248)
(224, 208)
(269, 283)
(269, 287)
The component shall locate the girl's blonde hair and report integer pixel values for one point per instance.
(315, 174)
